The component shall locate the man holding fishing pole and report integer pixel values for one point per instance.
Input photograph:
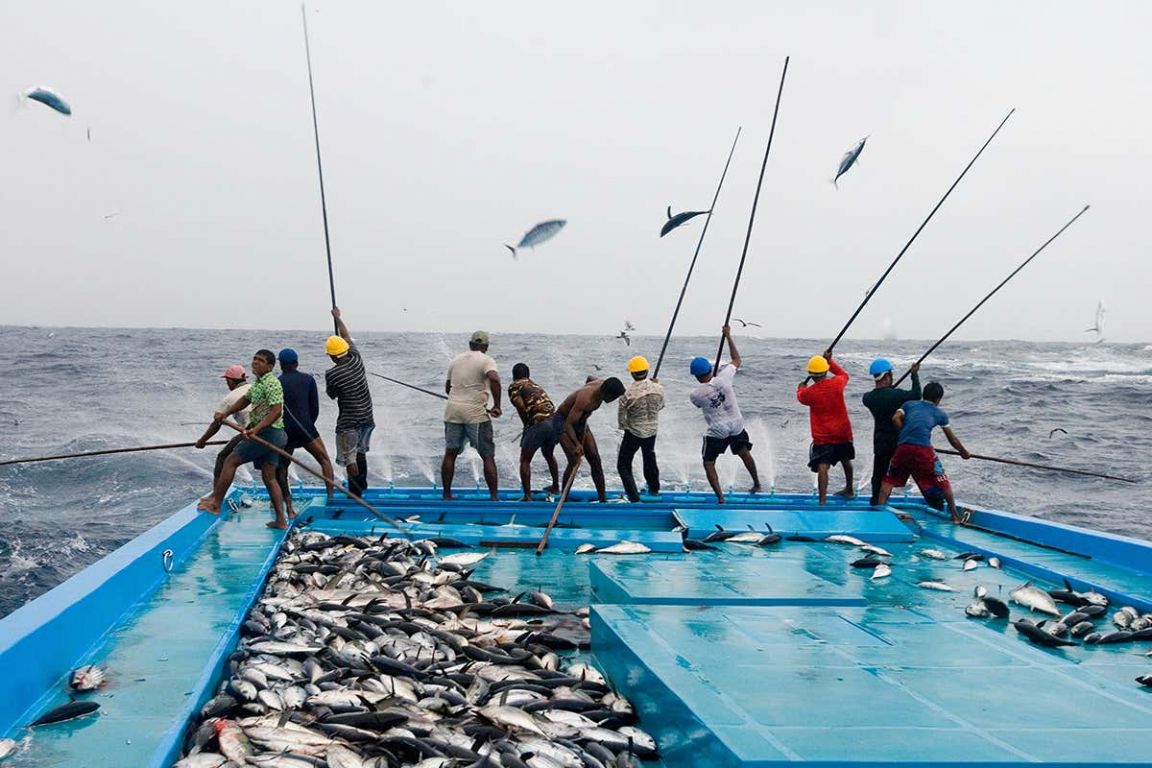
(717, 399)
(535, 409)
(638, 415)
(301, 409)
(571, 423)
(347, 383)
(828, 416)
(883, 401)
(915, 456)
(467, 417)
(266, 398)
(236, 379)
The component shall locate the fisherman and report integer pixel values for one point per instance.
(717, 399)
(883, 401)
(236, 379)
(266, 398)
(637, 415)
(915, 456)
(301, 409)
(571, 423)
(347, 384)
(467, 417)
(535, 409)
(828, 416)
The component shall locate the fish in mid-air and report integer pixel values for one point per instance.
(680, 218)
(540, 233)
(48, 98)
(849, 159)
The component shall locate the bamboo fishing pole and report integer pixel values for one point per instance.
(559, 506)
(868, 296)
(752, 215)
(410, 386)
(1016, 463)
(319, 164)
(107, 451)
(691, 266)
(285, 455)
(992, 293)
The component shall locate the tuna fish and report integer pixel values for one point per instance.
(938, 586)
(1034, 599)
(1038, 636)
(881, 571)
(87, 678)
(849, 159)
(65, 712)
(934, 554)
(624, 548)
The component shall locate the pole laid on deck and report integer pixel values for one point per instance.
(1016, 463)
(992, 293)
(285, 455)
(699, 243)
(752, 216)
(559, 506)
(108, 451)
(872, 292)
(319, 164)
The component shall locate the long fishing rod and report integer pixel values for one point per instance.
(319, 165)
(872, 292)
(700, 242)
(752, 215)
(410, 386)
(285, 455)
(107, 452)
(559, 506)
(1016, 463)
(991, 293)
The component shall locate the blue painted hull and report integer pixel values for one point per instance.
(654, 619)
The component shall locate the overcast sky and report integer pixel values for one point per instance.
(449, 129)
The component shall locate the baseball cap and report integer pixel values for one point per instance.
(479, 337)
(288, 355)
(236, 372)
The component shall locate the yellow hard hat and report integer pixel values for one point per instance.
(817, 365)
(637, 364)
(336, 346)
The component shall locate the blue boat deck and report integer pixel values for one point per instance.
(747, 656)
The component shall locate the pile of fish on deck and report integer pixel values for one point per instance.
(366, 653)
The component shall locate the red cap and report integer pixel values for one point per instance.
(235, 372)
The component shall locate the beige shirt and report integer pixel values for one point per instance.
(230, 399)
(468, 396)
(640, 407)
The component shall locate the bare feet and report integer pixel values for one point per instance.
(277, 523)
(291, 513)
(754, 489)
(525, 498)
(847, 493)
(449, 497)
(204, 500)
(553, 489)
(210, 506)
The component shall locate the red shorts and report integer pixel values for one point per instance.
(919, 462)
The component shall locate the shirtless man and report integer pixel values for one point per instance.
(571, 422)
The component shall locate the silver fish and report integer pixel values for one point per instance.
(977, 610)
(1034, 599)
(540, 233)
(939, 586)
(934, 554)
(624, 548)
(585, 549)
(970, 565)
(464, 559)
(876, 550)
(840, 538)
(994, 562)
(849, 159)
(7, 747)
(881, 571)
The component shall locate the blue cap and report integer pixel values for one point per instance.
(879, 367)
(700, 366)
(288, 355)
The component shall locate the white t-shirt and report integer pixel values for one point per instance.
(718, 401)
(230, 399)
(468, 397)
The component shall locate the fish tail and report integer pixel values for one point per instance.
(514, 256)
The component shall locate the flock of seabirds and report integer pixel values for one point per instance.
(279, 417)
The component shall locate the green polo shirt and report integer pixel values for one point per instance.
(264, 393)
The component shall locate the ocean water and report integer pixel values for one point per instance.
(72, 389)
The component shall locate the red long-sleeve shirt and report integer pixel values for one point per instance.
(828, 413)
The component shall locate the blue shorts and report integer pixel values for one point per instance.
(259, 455)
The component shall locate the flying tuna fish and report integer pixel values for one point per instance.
(680, 218)
(540, 233)
(849, 159)
(49, 98)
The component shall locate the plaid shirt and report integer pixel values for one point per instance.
(264, 393)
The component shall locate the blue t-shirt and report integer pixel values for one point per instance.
(920, 418)
(301, 405)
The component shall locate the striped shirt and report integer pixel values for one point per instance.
(347, 384)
